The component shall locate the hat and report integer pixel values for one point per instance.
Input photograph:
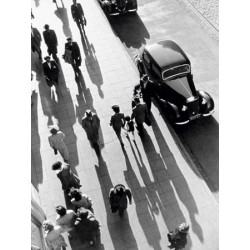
(88, 112)
(69, 39)
(116, 108)
(46, 26)
(46, 57)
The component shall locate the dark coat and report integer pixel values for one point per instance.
(51, 74)
(139, 112)
(76, 54)
(50, 38)
(35, 39)
(77, 11)
(118, 201)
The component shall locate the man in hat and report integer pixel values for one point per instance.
(146, 89)
(78, 16)
(118, 199)
(139, 113)
(51, 71)
(51, 41)
(36, 41)
(91, 124)
(75, 54)
(117, 122)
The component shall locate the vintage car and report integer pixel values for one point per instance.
(169, 68)
(116, 7)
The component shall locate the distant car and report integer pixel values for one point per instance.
(116, 7)
(169, 68)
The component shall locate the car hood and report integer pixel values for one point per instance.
(184, 86)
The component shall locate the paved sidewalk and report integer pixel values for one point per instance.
(166, 189)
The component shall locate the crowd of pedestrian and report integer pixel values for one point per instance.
(81, 220)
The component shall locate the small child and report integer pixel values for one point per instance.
(178, 237)
(129, 126)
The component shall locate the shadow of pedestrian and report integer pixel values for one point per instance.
(61, 13)
(36, 159)
(130, 29)
(92, 64)
(37, 3)
(143, 205)
(119, 228)
(165, 169)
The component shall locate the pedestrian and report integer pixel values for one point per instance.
(66, 219)
(53, 236)
(129, 126)
(118, 199)
(178, 237)
(36, 41)
(50, 39)
(65, 175)
(56, 142)
(78, 16)
(80, 200)
(146, 89)
(139, 64)
(117, 122)
(140, 114)
(51, 71)
(87, 226)
(91, 124)
(72, 55)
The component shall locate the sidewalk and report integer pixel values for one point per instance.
(165, 188)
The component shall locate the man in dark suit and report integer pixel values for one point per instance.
(139, 113)
(146, 89)
(51, 71)
(75, 54)
(36, 41)
(78, 16)
(51, 41)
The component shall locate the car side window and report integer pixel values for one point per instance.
(155, 71)
(146, 60)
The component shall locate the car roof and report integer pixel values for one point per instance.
(167, 54)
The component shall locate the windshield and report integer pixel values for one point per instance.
(175, 71)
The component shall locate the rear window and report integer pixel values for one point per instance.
(175, 71)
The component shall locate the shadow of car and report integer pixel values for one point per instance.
(116, 7)
(169, 68)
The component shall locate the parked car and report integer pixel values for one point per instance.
(169, 68)
(116, 7)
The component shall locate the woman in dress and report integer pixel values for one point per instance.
(65, 175)
(56, 142)
(53, 237)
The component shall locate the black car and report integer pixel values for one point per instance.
(116, 7)
(169, 68)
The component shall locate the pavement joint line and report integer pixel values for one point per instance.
(193, 163)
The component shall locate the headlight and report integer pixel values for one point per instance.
(184, 108)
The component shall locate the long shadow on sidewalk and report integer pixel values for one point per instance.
(146, 219)
(92, 64)
(163, 166)
(119, 228)
(130, 29)
(61, 13)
